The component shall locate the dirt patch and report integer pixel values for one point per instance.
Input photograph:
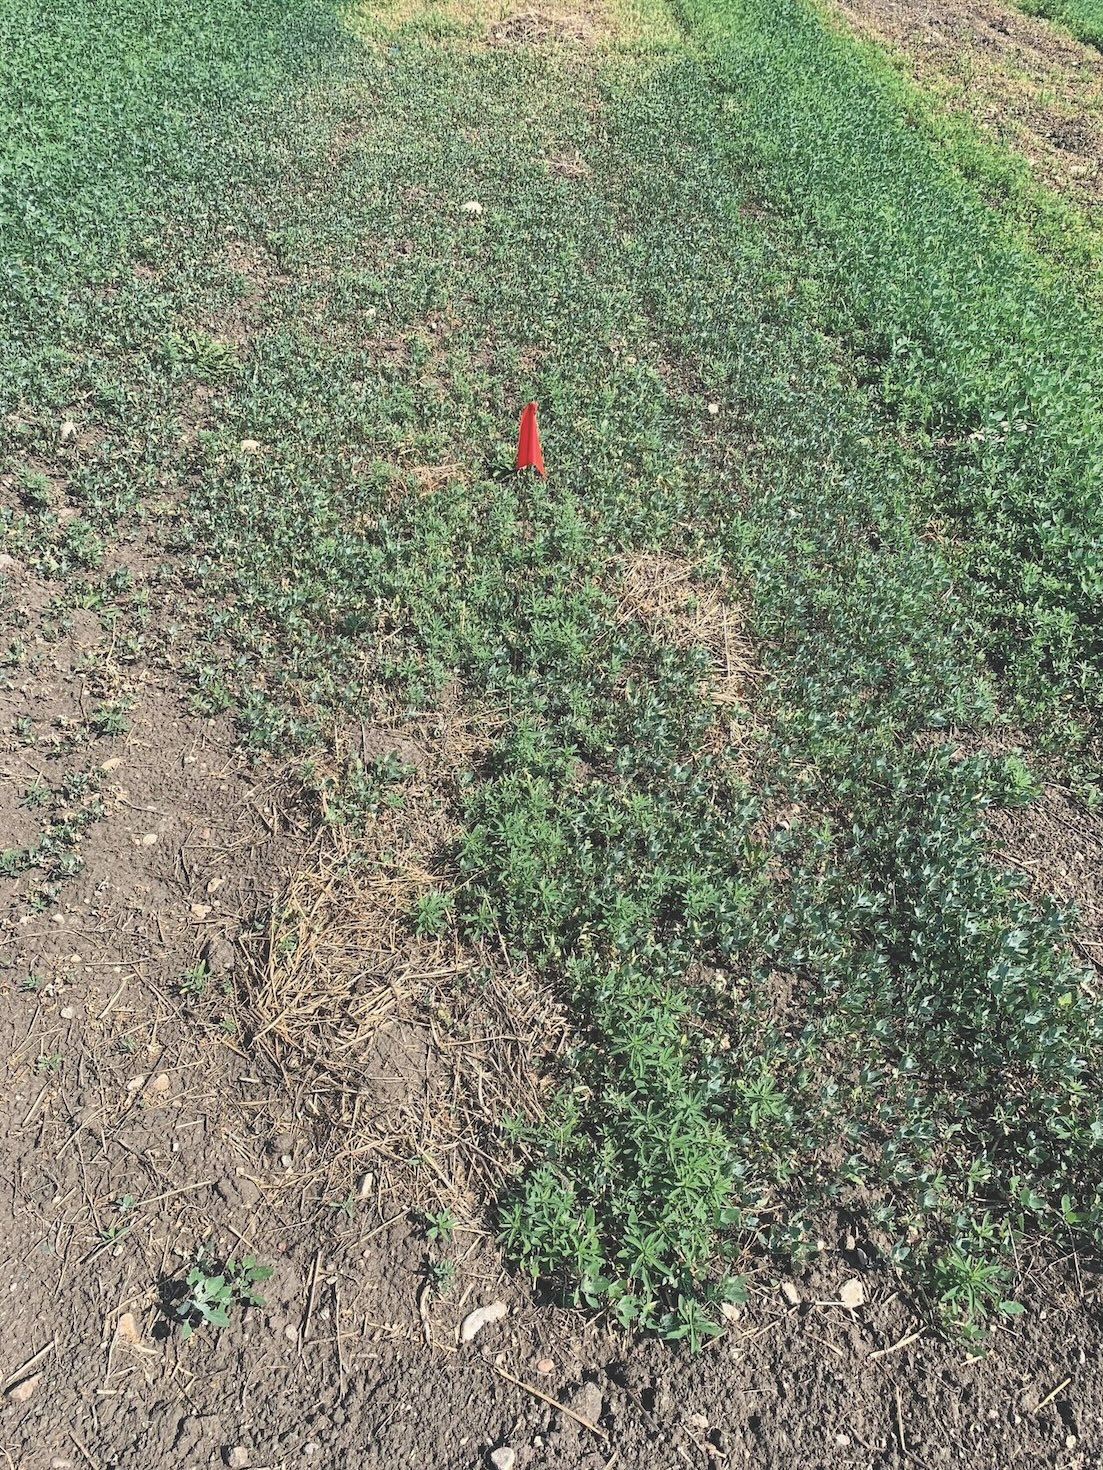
(397, 1043)
(1037, 89)
(676, 604)
(539, 27)
(1059, 846)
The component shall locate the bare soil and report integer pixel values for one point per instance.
(1017, 76)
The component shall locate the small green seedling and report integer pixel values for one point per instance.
(439, 1228)
(346, 1206)
(214, 1291)
(442, 1276)
(193, 982)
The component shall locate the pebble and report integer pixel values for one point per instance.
(310, 1448)
(160, 1083)
(20, 1392)
(148, 839)
(544, 1367)
(472, 207)
(136, 1083)
(249, 446)
(364, 1185)
(68, 1012)
(219, 955)
(237, 1457)
(61, 1465)
(852, 1293)
(842, 1441)
(481, 1317)
(790, 1293)
(714, 409)
(126, 1329)
(504, 1458)
(68, 430)
(588, 1403)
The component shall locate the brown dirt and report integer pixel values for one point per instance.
(1016, 76)
(1059, 847)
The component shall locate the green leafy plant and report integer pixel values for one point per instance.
(214, 1289)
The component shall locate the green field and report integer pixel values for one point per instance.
(797, 980)
(1084, 18)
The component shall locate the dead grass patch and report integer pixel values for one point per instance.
(669, 596)
(401, 1054)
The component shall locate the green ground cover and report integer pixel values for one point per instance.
(1084, 18)
(850, 1008)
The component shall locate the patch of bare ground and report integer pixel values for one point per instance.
(1058, 845)
(401, 1052)
(679, 605)
(579, 24)
(1018, 77)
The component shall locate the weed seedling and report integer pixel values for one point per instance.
(214, 1289)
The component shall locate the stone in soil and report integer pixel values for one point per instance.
(20, 1392)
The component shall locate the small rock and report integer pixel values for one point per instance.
(68, 430)
(310, 1448)
(249, 446)
(291, 1332)
(504, 1458)
(544, 1367)
(112, 763)
(219, 955)
(842, 1441)
(730, 1311)
(587, 1402)
(237, 1457)
(126, 1329)
(714, 409)
(68, 1013)
(61, 1465)
(852, 1293)
(20, 1392)
(790, 1293)
(472, 207)
(200, 910)
(481, 1317)
(160, 1083)
(149, 839)
(286, 1160)
(136, 1083)
(364, 1185)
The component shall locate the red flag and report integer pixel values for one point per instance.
(529, 453)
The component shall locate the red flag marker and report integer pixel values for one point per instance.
(529, 453)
